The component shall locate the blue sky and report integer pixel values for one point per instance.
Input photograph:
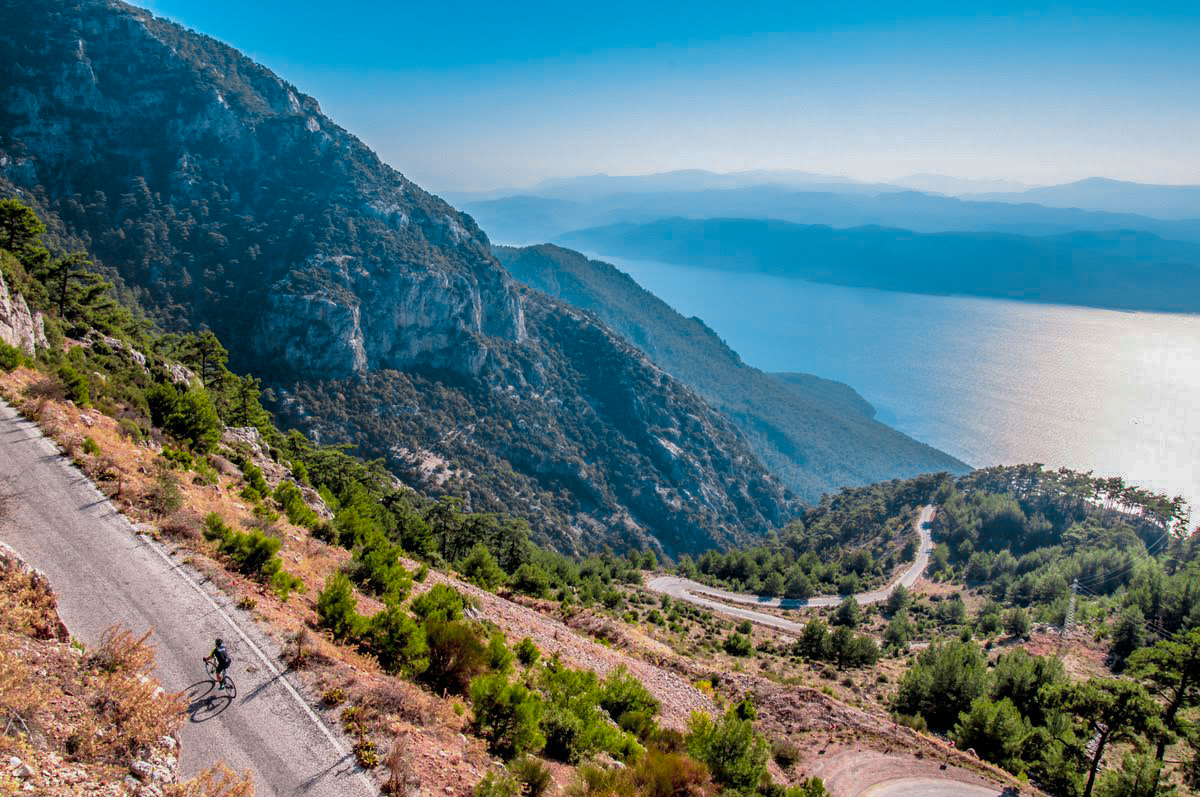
(471, 95)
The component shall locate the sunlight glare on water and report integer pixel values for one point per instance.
(989, 381)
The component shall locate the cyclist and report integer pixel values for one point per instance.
(221, 659)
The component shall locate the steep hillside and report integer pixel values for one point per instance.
(815, 434)
(1120, 269)
(222, 197)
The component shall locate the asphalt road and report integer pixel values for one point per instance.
(695, 592)
(106, 573)
(928, 787)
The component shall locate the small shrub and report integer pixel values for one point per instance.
(527, 652)
(246, 603)
(333, 697)
(90, 446)
(734, 753)
(131, 430)
(164, 497)
(532, 775)
(495, 784)
(738, 645)
(336, 608)
(785, 754)
(440, 600)
(398, 642)
(480, 568)
(75, 385)
(507, 715)
(10, 357)
(456, 655)
(284, 584)
(500, 658)
(421, 574)
(365, 753)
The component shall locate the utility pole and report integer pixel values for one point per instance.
(1069, 620)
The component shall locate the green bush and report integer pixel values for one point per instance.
(456, 655)
(90, 446)
(337, 608)
(398, 642)
(254, 477)
(499, 657)
(627, 702)
(527, 652)
(507, 715)
(10, 357)
(1016, 622)
(439, 601)
(736, 756)
(530, 579)
(284, 584)
(575, 725)
(75, 385)
(995, 730)
(189, 416)
(738, 645)
(497, 784)
(376, 568)
(480, 568)
(291, 499)
(847, 613)
(533, 776)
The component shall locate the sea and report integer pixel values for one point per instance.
(988, 381)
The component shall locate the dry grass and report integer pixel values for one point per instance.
(129, 706)
(20, 696)
(27, 604)
(216, 781)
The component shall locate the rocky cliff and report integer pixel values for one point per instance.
(223, 197)
(18, 326)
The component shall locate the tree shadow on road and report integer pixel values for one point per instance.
(205, 702)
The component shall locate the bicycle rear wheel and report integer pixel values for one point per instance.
(230, 687)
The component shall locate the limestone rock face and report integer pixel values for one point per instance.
(376, 312)
(18, 326)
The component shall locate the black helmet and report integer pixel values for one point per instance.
(219, 643)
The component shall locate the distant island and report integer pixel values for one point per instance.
(1122, 269)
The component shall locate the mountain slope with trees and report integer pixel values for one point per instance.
(816, 435)
(220, 197)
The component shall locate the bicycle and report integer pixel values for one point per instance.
(210, 666)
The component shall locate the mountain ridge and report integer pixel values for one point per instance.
(815, 434)
(223, 197)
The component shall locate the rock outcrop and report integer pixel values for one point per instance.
(19, 327)
(222, 196)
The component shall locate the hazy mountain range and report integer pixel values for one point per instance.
(527, 219)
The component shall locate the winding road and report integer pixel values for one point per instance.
(695, 592)
(105, 573)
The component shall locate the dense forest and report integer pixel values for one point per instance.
(851, 541)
